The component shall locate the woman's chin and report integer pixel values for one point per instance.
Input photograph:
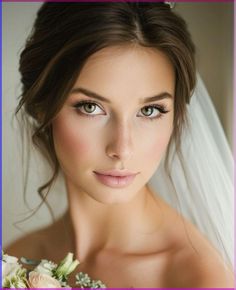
(113, 196)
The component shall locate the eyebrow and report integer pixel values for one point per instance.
(88, 93)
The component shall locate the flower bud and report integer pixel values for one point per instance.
(66, 266)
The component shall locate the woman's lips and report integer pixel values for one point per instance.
(115, 181)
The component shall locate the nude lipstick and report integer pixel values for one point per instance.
(115, 178)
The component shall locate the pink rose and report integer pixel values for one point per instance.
(38, 280)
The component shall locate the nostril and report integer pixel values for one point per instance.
(121, 154)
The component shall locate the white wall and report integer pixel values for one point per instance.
(211, 25)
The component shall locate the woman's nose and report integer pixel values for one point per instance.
(120, 146)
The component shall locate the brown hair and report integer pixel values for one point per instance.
(65, 35)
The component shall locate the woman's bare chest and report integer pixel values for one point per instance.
(126, 272)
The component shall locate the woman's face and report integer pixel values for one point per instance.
(119, 114)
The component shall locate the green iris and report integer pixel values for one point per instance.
(89, 108)
(147, 111)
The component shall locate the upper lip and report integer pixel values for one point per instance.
(115, 172)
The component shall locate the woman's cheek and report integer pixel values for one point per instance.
(158, 143)
(71, 141)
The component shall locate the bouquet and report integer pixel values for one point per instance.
(45, 274)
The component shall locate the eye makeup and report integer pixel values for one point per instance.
(160, 109)
(81, 105)
(84, 108)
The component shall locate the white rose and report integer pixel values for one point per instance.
(9, 266)
(10, 259)
(39, 280)
(45, 267)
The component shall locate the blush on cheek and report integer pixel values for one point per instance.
(69, 141)
(156, 151)
(158, 147)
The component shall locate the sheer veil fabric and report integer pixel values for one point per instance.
(200, 183)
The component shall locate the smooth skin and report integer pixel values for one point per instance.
(127, 237)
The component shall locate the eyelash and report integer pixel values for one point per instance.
(80, 104)
(161, 108)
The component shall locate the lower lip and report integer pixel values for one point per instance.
(115, 181)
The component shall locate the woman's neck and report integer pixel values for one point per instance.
(121, 227)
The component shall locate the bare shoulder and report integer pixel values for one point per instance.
(30, 245)
(198, 264)
(46, 243)
(200, 270)
(192, 261)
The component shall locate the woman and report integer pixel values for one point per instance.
(105, 88)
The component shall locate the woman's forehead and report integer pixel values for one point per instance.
(127, 71)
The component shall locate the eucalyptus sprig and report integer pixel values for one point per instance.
(84, 281)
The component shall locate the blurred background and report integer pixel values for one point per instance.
(211, 26)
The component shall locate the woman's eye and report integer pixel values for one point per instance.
(149, 111)
(88, 108)
(152, 112)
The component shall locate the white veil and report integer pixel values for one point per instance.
(202, 185)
